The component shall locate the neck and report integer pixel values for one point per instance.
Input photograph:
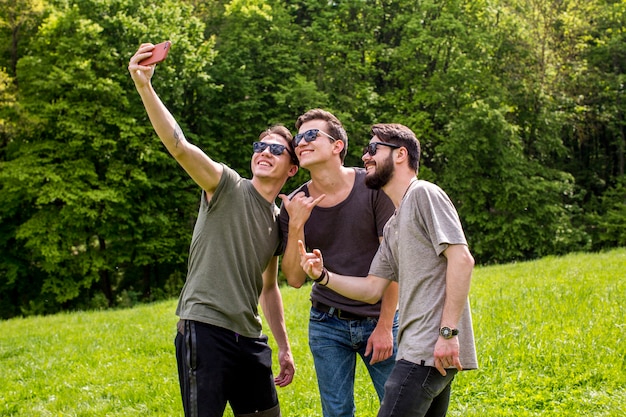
(330, 178)
(398, 186)
(268, 189)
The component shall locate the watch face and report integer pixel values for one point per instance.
(447, 332)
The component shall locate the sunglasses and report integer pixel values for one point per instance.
(275, 148)
(309, 136)
(372, 147)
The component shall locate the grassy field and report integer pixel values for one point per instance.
(550, 339)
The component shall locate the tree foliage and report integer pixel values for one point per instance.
(519, 106)
(97, 205)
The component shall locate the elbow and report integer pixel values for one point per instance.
(294, 276)
(179, 152)
(460, 257)
(294, 281)
(469, 261)
(372, 300)
(374, 295)
(295, 284)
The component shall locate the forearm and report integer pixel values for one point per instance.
(368, 290)
(272, 306)
(271, 302)
(388, 306)
(291, 259)
(204, 171)
(162, 120)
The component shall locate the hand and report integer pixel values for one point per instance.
(287, 369)
(380, 345)
(447, 354)
(311, 263)
(299, 207)
(141, 74)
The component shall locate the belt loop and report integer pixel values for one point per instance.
(331, 311)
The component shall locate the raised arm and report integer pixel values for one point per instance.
(272, 304)
(202, 169)
(299, 209)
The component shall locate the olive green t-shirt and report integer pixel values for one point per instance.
(234, 238)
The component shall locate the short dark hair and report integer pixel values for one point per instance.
(400, 135)
(283, 132)
(335, 128)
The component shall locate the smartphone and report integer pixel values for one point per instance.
(159, 53)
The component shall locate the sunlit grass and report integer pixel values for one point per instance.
(550, 339)
(550, 336)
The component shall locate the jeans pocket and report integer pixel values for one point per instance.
(435, 383)
(317, 315)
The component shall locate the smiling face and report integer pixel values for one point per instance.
(379, 167)
(320, 149)
(265, 164)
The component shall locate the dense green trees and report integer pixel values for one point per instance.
(519, 105)
(92, 206)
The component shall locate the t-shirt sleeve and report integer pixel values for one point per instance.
(381, 265)
(436, 212)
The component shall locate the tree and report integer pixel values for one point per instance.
(18, 18)
(108, 210)
(512, 209)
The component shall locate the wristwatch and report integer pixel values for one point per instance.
(448, 333)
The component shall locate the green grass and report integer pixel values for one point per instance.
(549, 333)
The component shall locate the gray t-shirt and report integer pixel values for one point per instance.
(348, 236)
(411, 253)
(234, 238)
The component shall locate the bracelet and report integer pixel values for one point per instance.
(327, 278)
(323, 275)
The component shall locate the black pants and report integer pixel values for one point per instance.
(216, 366)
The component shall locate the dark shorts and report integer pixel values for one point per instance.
(217, 366)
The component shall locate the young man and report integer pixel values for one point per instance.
(335, 211)
(233, 264)
(425, 250)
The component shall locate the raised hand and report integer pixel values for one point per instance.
(300, 207)
(141, 74)
(311, 262)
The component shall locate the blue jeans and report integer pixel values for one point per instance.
(335, 344)
(414, 390)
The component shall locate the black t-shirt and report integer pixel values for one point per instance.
(348, 236)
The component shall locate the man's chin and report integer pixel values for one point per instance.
(372, 182)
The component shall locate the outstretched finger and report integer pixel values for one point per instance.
(318, 199)
(302, 248)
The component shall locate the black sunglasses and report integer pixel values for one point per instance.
(275, 148)
(309, 136)
(371, 148)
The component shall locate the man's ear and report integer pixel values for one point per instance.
(293, 170)
(402, 155)
(338, 146)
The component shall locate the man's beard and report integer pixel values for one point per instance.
(383, 174)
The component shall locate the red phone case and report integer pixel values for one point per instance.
(159, 53)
